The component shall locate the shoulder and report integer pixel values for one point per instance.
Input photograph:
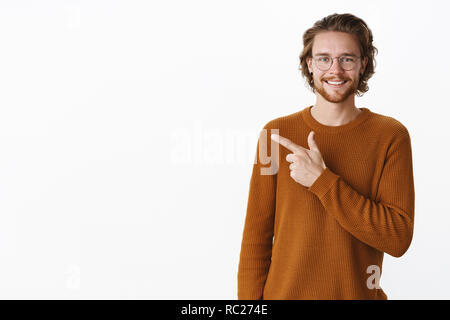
(389, 126)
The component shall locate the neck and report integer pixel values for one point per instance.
(334, 114)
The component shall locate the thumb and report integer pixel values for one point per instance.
(312, 143)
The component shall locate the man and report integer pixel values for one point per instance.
(342, 192)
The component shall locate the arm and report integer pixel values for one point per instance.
(385, 223)
(256, 248)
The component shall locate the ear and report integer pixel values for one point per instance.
(364, 64)
(309, 63)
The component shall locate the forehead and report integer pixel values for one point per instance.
(335, 43)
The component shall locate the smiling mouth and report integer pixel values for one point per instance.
(335, 84)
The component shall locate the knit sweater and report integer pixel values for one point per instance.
(326, 241)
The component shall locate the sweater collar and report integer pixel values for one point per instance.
(319, 127)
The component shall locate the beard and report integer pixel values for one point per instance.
(337, 95)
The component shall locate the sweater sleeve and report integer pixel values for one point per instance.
(385, 223)
(256, 247)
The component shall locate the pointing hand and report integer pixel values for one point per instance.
(306, 164)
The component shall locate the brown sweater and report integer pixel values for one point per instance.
(326, 241)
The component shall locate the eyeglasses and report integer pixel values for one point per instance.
(347, 63)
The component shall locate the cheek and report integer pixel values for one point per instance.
(318, 77)
(356, 77)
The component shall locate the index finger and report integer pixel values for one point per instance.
(286, 143)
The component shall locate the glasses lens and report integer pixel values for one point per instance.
(347, 63)
(323, 63)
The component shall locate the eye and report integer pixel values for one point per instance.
(348, 59)
(324, 59)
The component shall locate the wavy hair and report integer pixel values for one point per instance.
(348, 23)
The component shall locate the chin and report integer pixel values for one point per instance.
(333, 96)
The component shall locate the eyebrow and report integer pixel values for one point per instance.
(344, 54)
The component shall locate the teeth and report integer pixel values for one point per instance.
(334, 82)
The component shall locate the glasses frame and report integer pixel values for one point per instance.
(315, 58)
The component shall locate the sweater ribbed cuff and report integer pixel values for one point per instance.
(323, 183)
